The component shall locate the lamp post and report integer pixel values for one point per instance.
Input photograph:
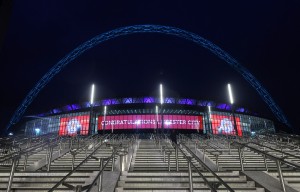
(161, 108)
(91, 110)
(104, 120)
(232, 108)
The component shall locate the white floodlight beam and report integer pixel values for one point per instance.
(92, 94)
(161, 94)
(230, 94)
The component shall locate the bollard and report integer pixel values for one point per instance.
(280, 175)
(47, 158)
(73, 160)
(169, 153)
(71, 143)
(25, 162)
(217, 162)
(229, 147)
(164, 153)
(50, 158)
(241, 160)
(189, 159)
(86, 148)
(60, 148)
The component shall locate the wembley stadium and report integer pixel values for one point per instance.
(146, 114)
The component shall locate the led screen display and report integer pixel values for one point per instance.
(150, 122)
(224, 124)
(74, 125)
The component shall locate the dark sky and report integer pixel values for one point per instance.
(262, 35)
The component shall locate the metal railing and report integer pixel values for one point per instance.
(212, 186)
(75, 169)
(272, 157)
(276, 150)
(122, 152)
(104, 138)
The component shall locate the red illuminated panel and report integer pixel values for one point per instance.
(224, 124)
(150, 122)
(72, 125)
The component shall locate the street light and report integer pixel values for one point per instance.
(91, 108)
(161, 108)
(232, 108)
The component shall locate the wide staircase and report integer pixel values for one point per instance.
(158, 165)
(52, 163)
(257, 157)
(148, 162)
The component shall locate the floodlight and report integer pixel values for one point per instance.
(92, 94)
(161, 94)
(230, 94)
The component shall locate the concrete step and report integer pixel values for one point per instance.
(178, 185)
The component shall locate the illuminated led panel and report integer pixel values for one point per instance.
(224, 124)
(74, 125)
(150, 122)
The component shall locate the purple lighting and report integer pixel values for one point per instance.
(56, 111)
(148, 100)
(115, 101)
(75, 106)
(86, 104)
(186, 101)
(223, 106)
(127, 100)
(67, 108)
(106, 102)
(169, 100)
(240, 110)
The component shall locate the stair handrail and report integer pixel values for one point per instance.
(205, 166)
(75, 169)
(11, 155)
(276, 159)
(24, 151)
(101, 171)
(268, 155)
(285, 153)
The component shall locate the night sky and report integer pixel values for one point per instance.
(263, 36)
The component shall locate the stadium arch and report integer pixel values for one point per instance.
(168, 30)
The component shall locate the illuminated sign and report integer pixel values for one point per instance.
(224, 124)
(150, 122)
(74, 125)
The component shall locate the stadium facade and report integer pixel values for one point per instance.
(147, 114)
